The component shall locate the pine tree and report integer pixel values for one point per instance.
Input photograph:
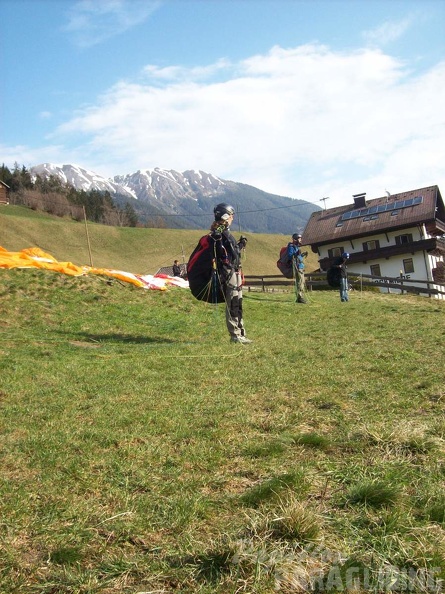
(5, 175)
(25, 179)
(131, 215)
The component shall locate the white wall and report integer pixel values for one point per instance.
(383, 238)
(394, 267)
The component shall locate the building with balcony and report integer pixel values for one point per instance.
(399, 235)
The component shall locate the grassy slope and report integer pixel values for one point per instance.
(141, 451)
(141, 251)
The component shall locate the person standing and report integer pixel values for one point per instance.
(176, 268)
(297, 257)
(228, 263)
(340, 262)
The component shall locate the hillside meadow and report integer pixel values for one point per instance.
(136, 250)
(142, 452)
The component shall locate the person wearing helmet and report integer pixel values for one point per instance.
(340, 262)
(228, 262)
(297, 257)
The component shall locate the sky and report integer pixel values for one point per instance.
(312, 99)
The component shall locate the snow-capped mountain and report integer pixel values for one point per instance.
(160, 184)
(186, 200)
(79, 178)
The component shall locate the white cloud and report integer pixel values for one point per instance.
(294, 121)
(93, 21)
(305, 122)
(388, 32)
(177, 73)
(24, 155)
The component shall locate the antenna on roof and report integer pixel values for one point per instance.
(324, 201)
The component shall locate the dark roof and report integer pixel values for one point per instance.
(3, 183)
(169, 270)
(332, 225)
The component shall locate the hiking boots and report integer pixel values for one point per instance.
(240, 339)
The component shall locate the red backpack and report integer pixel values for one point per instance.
(284, 264)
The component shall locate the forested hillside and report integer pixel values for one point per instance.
(50, 195)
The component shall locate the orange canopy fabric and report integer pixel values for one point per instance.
(36, 258)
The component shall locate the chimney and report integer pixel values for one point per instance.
(359, 200)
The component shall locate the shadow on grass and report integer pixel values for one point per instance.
(98, 339)
(252, 297)
(271, 488)
(66, 556)
(209, 567)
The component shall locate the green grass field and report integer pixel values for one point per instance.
(142, 452)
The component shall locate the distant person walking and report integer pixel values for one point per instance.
(176, 268)
(340, 263)
(297, 257)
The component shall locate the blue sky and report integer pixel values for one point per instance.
(303, 98)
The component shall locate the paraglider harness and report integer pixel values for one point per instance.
(337, 271)
(210, 265)
(333, 276)
(285, 264)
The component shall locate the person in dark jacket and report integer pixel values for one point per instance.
(228, 262)
(176, 268)
(340, 263)
(297, 257)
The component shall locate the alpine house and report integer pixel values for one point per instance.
(396, 236)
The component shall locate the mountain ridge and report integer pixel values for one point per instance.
(186, 199)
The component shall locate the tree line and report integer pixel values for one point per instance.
(50, 194)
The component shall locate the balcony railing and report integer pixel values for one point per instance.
(429, 245)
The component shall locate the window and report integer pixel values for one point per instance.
(375, 270)
(402, 239)
(371, 245)
(335, 252)
(408, 265)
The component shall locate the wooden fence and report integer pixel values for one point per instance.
(317, 280)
